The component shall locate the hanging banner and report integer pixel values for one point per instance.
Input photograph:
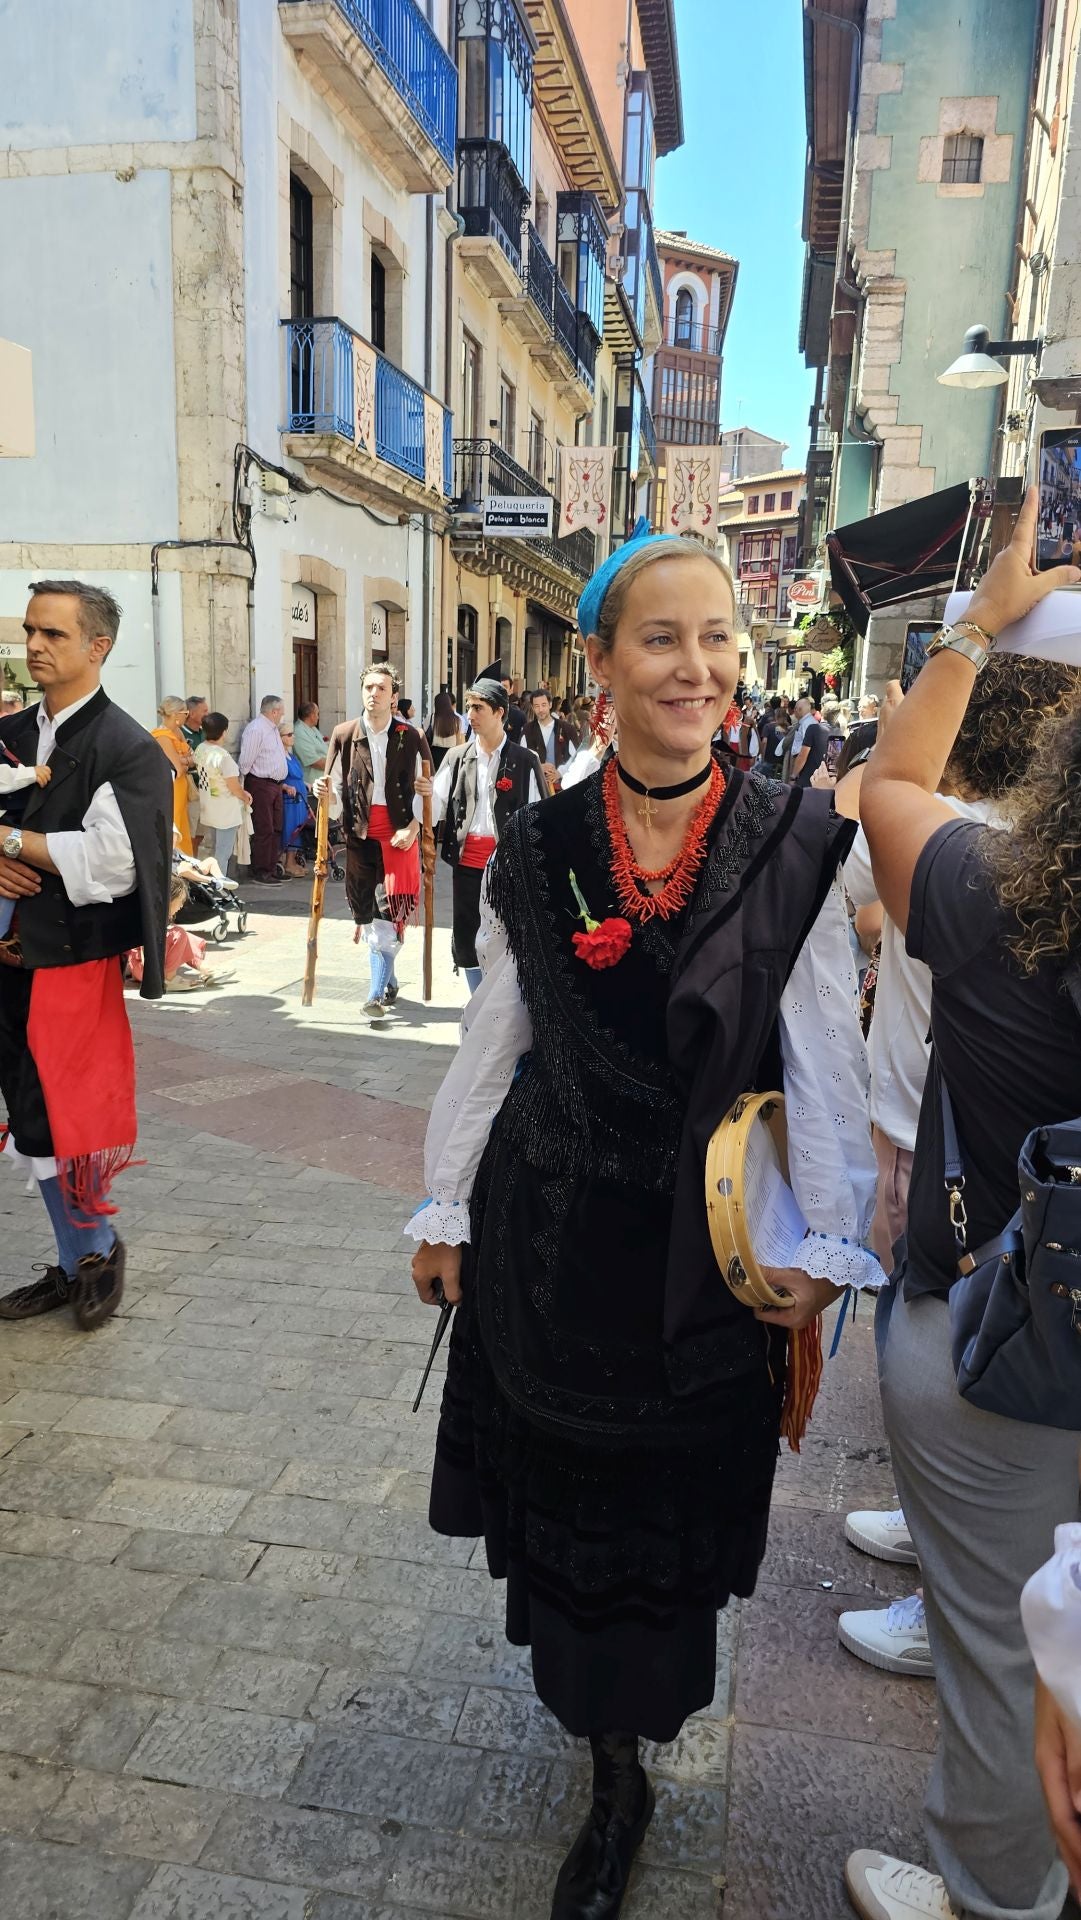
(586, 485)
(364, 363)
(695, 481)
(433, 444)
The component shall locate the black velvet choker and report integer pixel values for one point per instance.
(665, 793)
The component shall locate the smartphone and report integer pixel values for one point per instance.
(918, 637)
(1058, 519)
(834, 749)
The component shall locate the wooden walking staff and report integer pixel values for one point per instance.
(319, 887)
(427, 848)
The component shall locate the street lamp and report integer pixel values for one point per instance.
(974, 366)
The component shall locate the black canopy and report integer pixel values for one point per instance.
(900, 554)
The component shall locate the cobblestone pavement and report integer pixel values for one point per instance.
(238, 1674)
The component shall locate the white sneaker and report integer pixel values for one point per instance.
(881, 1888)
(185, 980)
(893, 1638)
(884, 1536)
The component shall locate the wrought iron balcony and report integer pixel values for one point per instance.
(381, 60)
(491, 201)
(540, 276)
(319, 363)
(566, 322)
(483, 467)
(691, 336)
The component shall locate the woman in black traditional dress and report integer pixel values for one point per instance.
(610, 1417)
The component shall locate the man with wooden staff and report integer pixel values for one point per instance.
(478, 788)
(372, 767)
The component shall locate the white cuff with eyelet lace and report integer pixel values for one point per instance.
(830, 1256)
(440, 1223)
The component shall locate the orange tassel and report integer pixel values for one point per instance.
(803, 1381)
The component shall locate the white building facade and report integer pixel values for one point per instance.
(227, 256)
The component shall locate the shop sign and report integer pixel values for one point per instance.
(508, 517)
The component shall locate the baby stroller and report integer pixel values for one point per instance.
(210, 897)
(303, 843)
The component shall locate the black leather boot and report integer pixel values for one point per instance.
(593, 1878)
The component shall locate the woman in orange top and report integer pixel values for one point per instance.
(172, 714)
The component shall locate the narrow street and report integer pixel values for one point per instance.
(240, 1676)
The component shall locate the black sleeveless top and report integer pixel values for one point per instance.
(596, 1307)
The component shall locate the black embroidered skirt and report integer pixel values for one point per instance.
(616, 1559)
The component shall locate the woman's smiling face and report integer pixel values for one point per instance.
(674, 662)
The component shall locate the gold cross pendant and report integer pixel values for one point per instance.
(646, 812)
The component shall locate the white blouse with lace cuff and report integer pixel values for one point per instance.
(832, 1160)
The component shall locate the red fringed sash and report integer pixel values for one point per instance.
(81, 1045)
(401, 870)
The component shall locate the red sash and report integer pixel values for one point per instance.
(80, 1042)
(401, 870)
(478, 850)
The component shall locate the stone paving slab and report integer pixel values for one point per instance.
(239, 1677)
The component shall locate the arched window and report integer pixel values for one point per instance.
(684, 317)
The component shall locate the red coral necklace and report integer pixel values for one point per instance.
(679, 877)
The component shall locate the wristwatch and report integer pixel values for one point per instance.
(13, 843)
(956, 640)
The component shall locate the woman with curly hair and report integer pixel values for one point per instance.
(992, 912)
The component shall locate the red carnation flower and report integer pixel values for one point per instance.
(603, 944)
(505, 785)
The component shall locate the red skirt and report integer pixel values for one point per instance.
(478, 850)
(401, 869)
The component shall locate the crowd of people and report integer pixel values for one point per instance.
(682, 898)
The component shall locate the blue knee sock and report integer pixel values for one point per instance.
(72, 1241)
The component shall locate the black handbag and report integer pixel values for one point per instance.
(1015, 1307)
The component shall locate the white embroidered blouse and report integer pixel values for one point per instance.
(831, 1159)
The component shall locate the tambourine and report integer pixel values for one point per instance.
(758, 1117)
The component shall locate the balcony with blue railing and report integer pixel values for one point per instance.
(381, 61)
(321, 416)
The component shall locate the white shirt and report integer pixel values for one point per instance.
(547, 732)
(377, 742)
(1051, 1613)
(483, 821)
(94, 861)
(899, 1049)
(377, 746)
(832, 1162)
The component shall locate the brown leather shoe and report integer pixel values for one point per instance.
(41, 1296)
(99, 1286)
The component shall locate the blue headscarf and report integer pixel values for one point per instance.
(595, 591)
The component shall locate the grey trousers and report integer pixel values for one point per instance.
(982, 1497)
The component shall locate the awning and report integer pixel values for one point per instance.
(901, 554)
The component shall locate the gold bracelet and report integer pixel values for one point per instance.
(974, 627)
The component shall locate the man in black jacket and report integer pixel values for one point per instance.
(89, 871)
(550, 738)
(478, 788)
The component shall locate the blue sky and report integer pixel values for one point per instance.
(737, 183)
